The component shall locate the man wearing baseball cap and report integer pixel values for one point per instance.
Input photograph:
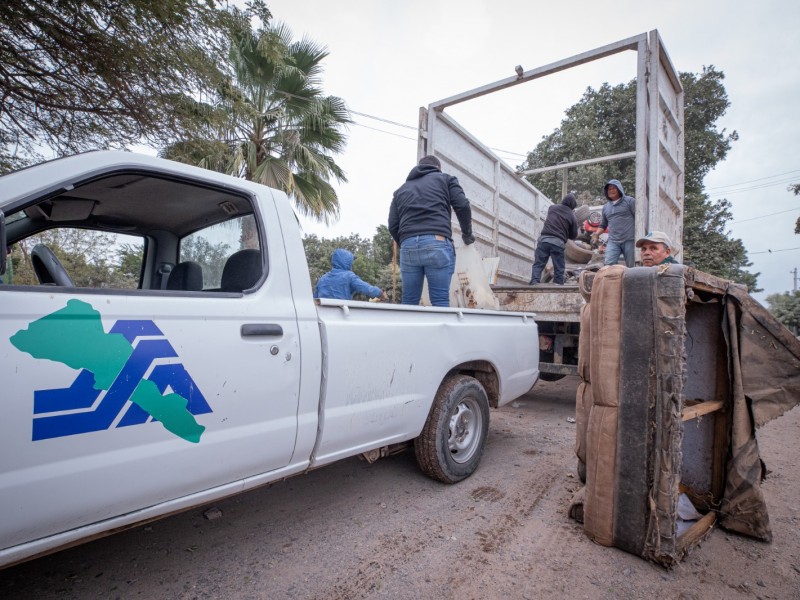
(656, 249)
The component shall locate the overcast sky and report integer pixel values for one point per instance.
(388, 58)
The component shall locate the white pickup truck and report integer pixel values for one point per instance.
(209, 369)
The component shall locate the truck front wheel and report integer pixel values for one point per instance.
(452, 441)
(550, 376)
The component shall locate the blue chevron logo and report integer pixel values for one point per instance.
(122, 379)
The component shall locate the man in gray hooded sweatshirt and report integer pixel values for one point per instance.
(619, 215)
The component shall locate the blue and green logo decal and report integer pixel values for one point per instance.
(112, 364)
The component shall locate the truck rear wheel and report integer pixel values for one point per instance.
(451, 443)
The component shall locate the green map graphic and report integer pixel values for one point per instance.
(74, 336)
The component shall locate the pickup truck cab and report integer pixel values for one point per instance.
(169, 352)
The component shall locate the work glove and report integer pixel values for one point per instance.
(468, 238)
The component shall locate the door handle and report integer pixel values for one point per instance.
(261, 329)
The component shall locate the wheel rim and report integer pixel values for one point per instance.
(464, 435)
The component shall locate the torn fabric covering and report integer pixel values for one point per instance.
(769, 358)
(765, 382)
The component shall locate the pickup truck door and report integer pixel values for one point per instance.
(117, 400)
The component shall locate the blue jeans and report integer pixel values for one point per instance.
(424, 256)
(614, 249)
(545, 250)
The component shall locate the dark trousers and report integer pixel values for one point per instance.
(545, 250)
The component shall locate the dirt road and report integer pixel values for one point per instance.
(355, 530)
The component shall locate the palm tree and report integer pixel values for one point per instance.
(271, 122)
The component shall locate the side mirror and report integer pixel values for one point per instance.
(3, 247)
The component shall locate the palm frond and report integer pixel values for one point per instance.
(273, 123)
(315, 197)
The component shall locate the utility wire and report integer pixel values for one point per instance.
(764, 216)
(755, 187)
(405, 137)
(774, 251)
(360, 114)
(718, 187)
(368, 116)
(510, 152)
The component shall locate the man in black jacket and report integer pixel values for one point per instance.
(559, 226)
(419, 221)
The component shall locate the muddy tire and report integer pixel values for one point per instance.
(582, 213)
(577, 254)
(451, 443)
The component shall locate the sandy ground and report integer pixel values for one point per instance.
(359, 530)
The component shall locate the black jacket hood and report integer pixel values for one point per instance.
(420, 171)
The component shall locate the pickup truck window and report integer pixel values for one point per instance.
(91, 259)
(212, 247)
(142, 231)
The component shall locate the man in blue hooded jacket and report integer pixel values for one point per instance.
(341, 283)
(619, 215)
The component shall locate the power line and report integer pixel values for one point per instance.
(764, 216)
(718, 187)
(500, 150)
(774, 251)
(405, 137)
(509, 152)
(368, 116)
(361, 114)
(755, 187)
(354, 112)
